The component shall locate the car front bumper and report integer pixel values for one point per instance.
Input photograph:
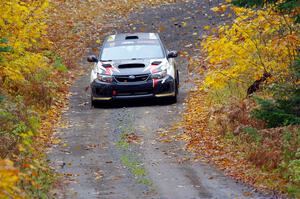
(145, 89)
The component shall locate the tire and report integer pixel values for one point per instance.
(177, 79)
(93, 102)
(173, 100)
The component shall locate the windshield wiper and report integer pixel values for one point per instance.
(106, 60)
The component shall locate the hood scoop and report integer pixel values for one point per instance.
(131, 66)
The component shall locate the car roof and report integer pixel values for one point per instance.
(132, 37)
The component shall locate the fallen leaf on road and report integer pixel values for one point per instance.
(98, 175)
(132, 138)
(90, 146)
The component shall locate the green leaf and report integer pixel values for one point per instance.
(3, 40)
(6, 49)
(286, 6)
(1, 98)
(247, 3)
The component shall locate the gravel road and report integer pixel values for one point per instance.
(115, 152)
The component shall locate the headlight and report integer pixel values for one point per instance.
(105, 78)
(159, 75)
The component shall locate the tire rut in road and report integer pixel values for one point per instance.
(85, 155)
(170, 177)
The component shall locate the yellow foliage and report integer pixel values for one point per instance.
(22, 37)
(22, 25)
(9, 177)
(220, 9)
(257, 42)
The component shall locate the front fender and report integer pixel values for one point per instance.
(93, 76)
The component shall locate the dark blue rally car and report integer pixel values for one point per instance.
(134, 66)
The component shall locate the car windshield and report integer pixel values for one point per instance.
(144, 51)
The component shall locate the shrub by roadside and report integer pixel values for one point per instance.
(224, 122)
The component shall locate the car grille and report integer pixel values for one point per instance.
(132, 78)
(133, 93)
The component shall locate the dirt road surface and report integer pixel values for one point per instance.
(115, 152)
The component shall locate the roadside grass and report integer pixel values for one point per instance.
(133, 165)
(129, 159)
(136, 169)
(59, 65)
(122, 144)
(124, 129)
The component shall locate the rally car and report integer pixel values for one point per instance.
(133, 66)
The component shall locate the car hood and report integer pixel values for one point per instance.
(129, 67)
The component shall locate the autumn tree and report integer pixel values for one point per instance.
(284, 6)
(259, 60)
(21, 27)
(285, 109)
(23, 67)
(259, 42)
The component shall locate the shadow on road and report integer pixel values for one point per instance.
(131, 103)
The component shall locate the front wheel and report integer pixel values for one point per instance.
(93, 103)
(173, 99)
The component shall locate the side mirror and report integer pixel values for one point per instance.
(92, 58)
(172, 54)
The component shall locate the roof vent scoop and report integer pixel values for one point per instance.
(131, 37)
